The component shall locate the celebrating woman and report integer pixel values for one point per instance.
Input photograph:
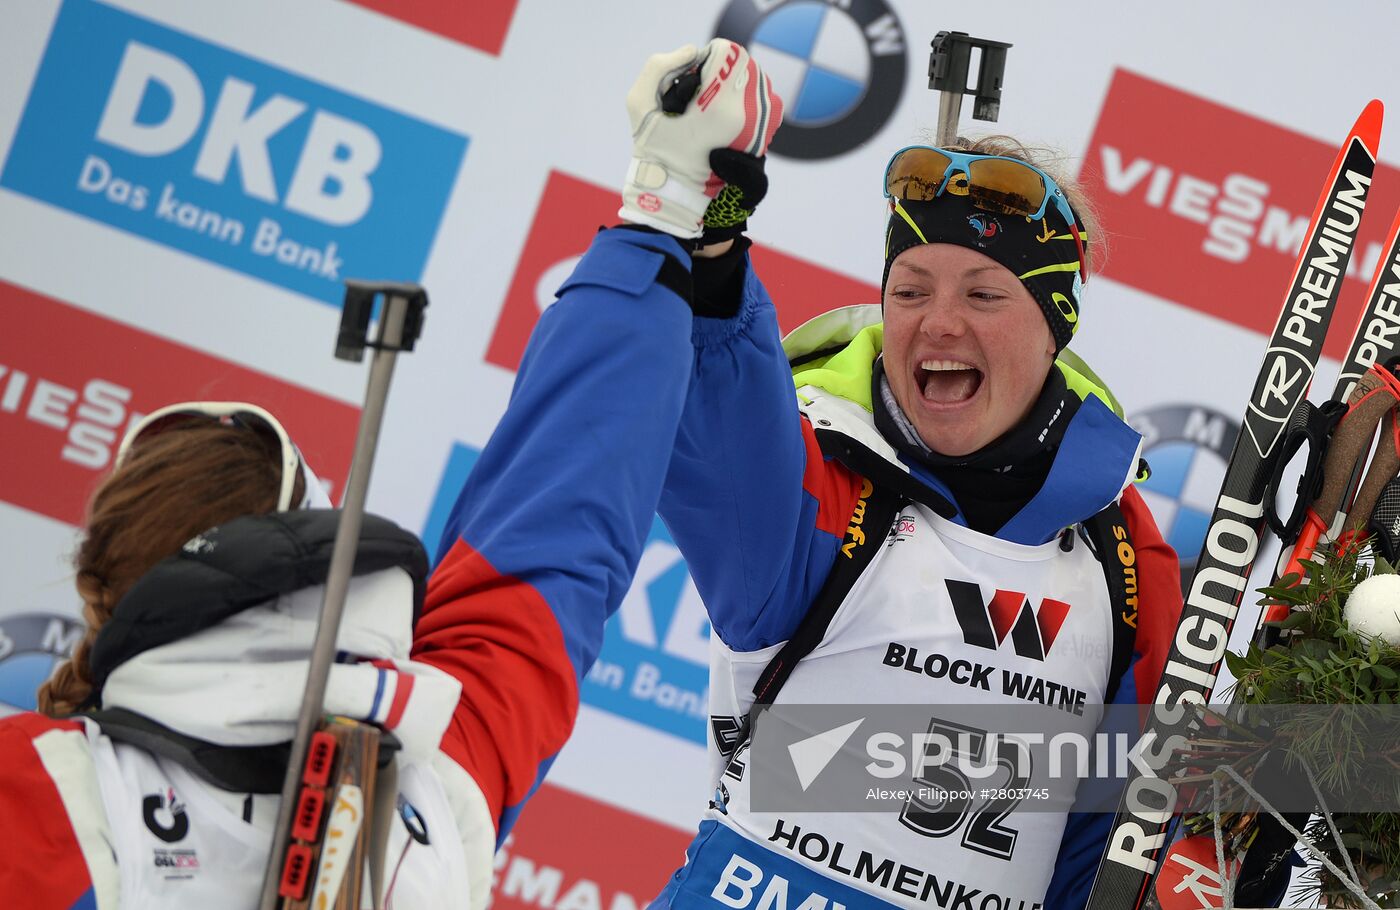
(925, 502)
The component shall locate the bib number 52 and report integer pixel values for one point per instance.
(944, 801)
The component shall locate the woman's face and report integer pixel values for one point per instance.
(966, 347)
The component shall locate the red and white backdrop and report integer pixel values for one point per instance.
(183, 186)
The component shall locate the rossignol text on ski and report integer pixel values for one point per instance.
(1139, 830)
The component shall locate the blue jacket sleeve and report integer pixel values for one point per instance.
(753, 506)
(546, 534)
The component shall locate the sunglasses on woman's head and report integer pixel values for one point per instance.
(228, 413)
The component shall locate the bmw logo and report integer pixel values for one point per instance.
(1188, 447)
(838, 65)
(31, 645)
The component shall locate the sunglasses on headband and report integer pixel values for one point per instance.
(229, 413)
(1006, 186)
(993, 183)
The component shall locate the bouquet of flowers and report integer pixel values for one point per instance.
(1339, 647)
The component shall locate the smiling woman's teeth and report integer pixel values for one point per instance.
(949, 381)
(938, 366)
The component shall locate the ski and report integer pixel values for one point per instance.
(1377, 336)
(1376, 341)
(1139, 830)
(1346, 501)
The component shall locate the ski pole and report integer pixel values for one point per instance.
(1380, 475)
(1272, 843)
(1372, 398)
(401, 320)
(1268, 842)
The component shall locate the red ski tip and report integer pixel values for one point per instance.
(1368, 126)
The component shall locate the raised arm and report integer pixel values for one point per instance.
(546, 535)
(754, 507)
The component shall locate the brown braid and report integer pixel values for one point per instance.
(181, 482)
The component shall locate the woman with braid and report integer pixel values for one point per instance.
(150, 776)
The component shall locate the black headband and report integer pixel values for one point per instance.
(1042, 253)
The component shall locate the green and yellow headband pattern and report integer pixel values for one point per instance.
(1042, 253)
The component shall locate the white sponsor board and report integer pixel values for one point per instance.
(203, 174)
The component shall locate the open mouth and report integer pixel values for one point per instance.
(948, 381)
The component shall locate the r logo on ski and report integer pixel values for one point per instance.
(1303, 324)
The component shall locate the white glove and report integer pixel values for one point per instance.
(730, 105)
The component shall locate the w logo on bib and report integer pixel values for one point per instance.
(986, 624)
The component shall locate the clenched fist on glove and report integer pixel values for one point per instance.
(701, 123)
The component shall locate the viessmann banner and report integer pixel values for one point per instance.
(1235, 207)
(63, 416)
